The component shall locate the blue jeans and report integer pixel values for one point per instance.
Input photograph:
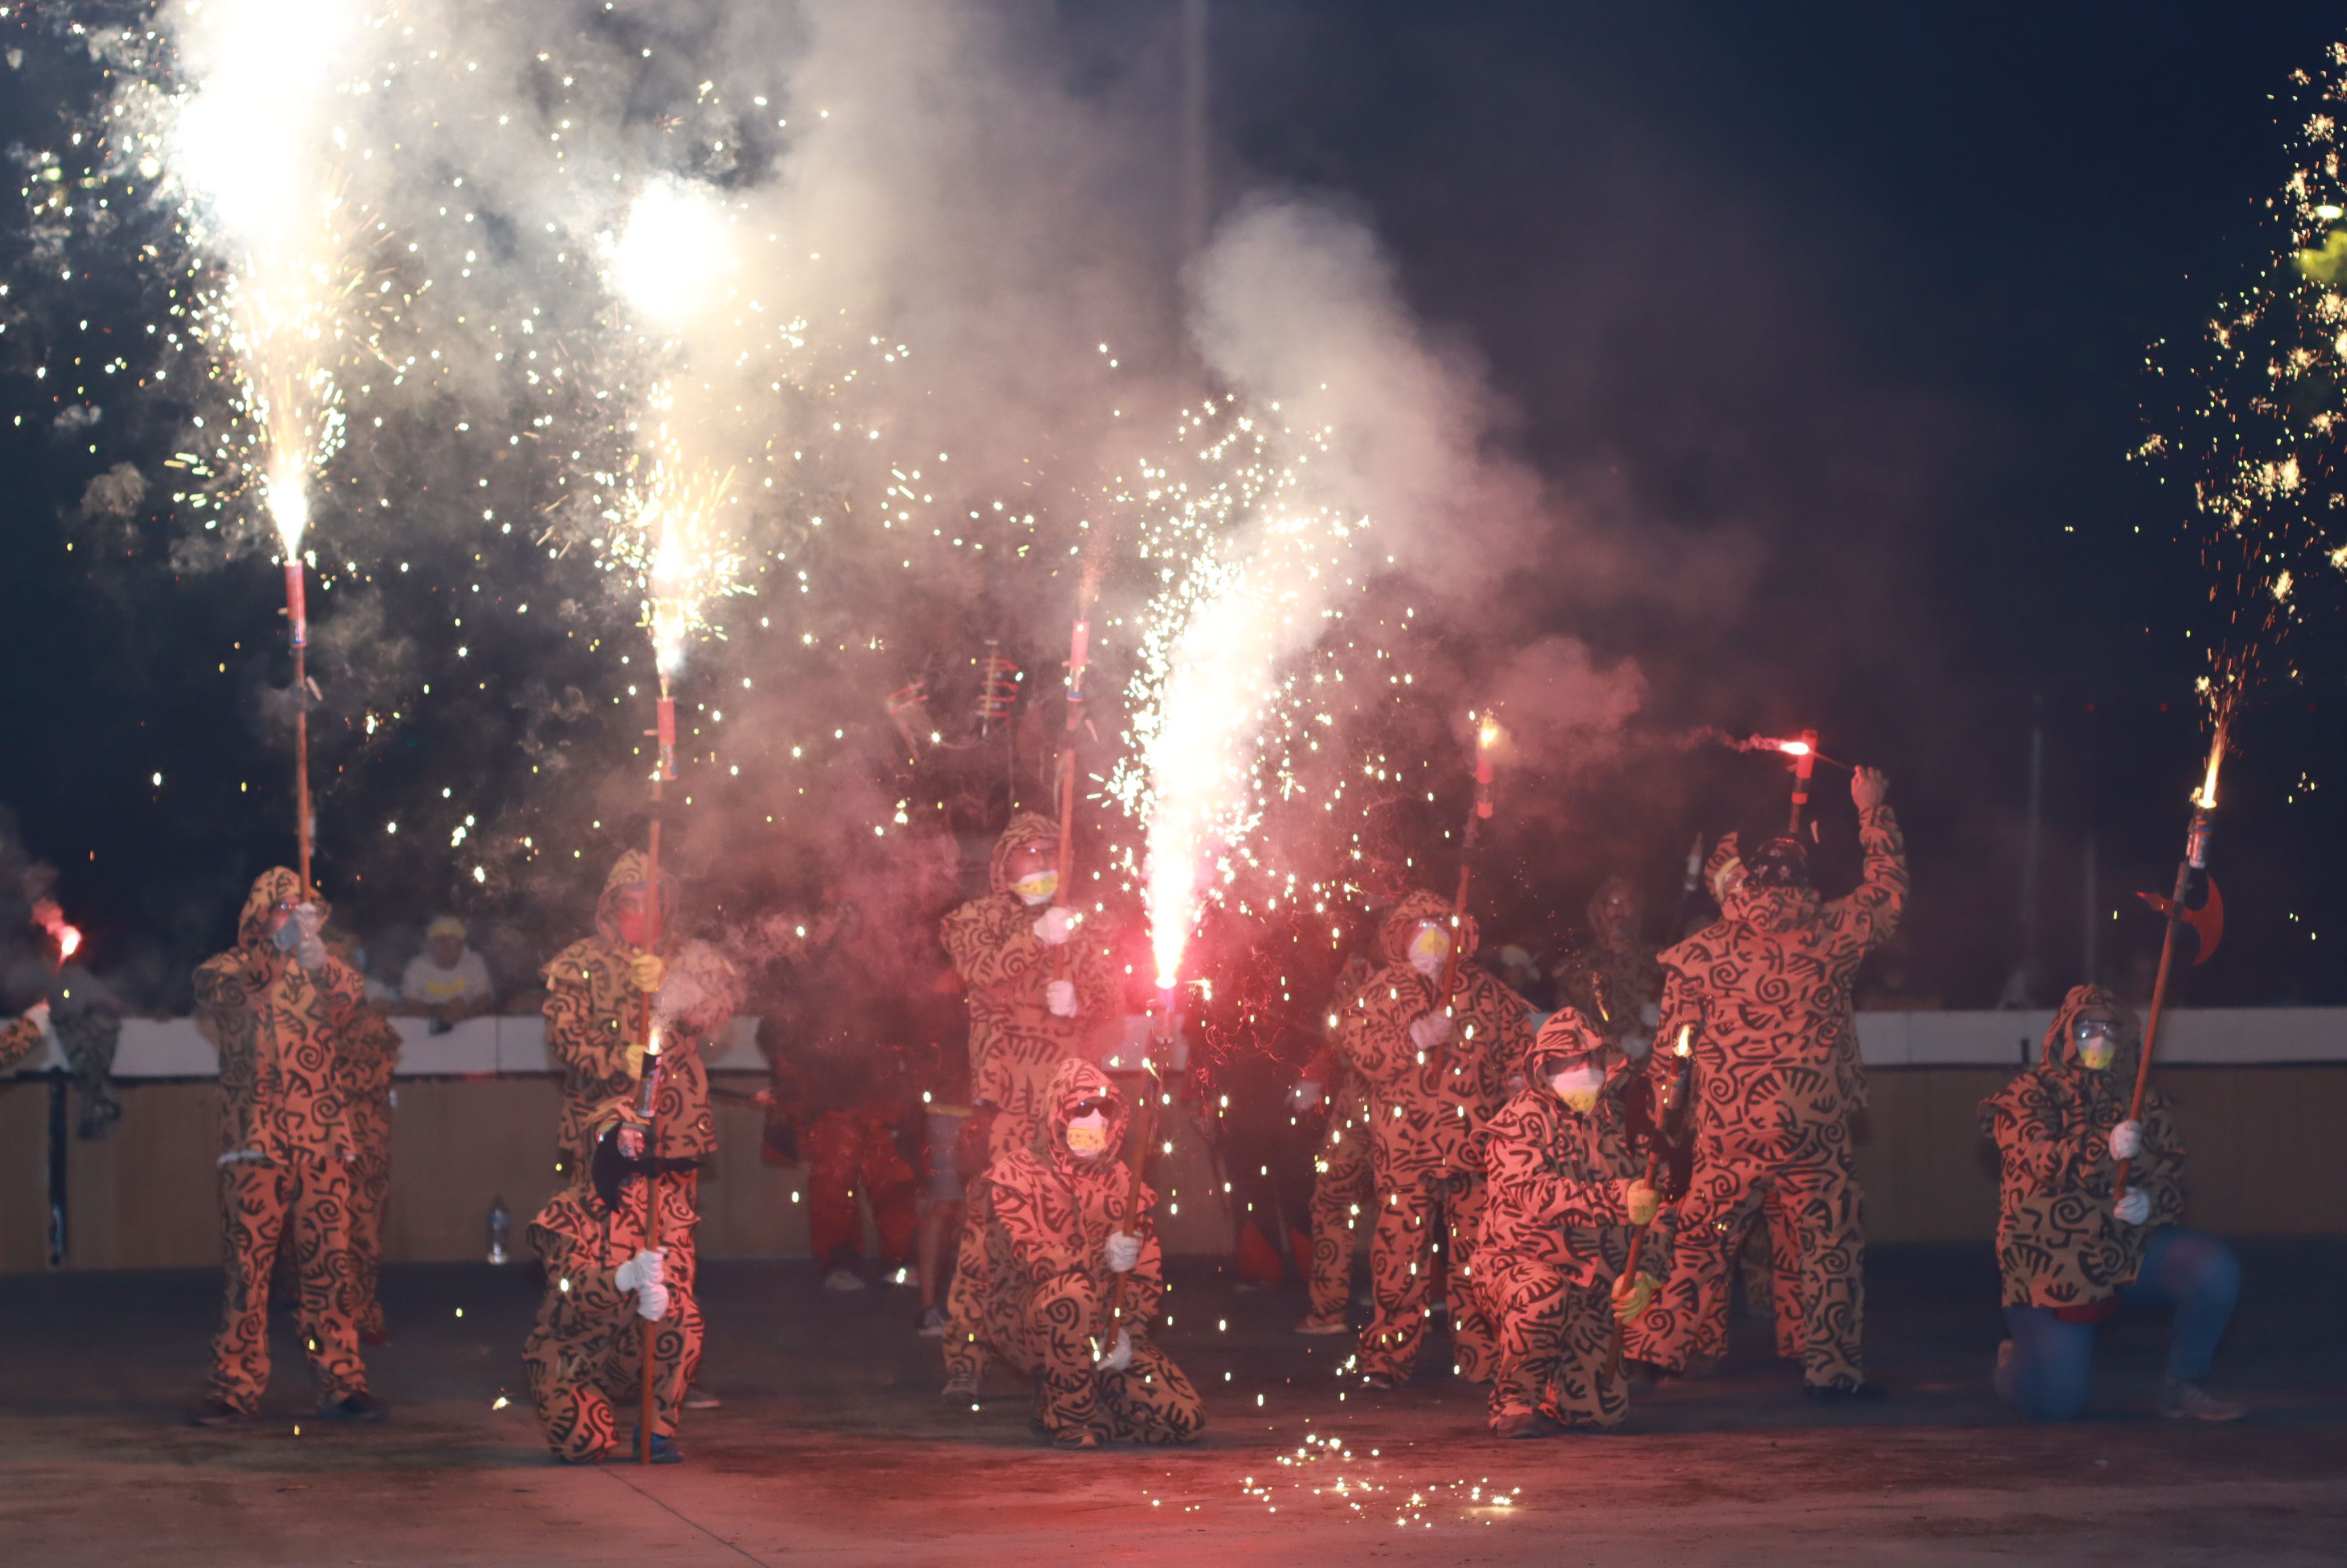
(2053, 1361)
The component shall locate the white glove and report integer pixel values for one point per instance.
(1060, 995)
(2133, 1209)
(647, 1267)
(1120, 1355)
(1308, 1094)
(37, 1015)
(652, 1303)
(1430, 1029)
(310, 954)
(2126, 1140)
(1121, 1251)
(311, 919)
(1052, 926)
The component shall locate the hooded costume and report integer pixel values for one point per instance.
(594, 1029)
(1556, 1234)
(1766, 989)
(586, 1351)
(2057, 1242)
(1610, 987)
(1016, 1041)
(1034, 1284)
(285, 1148)
(1427, 1108)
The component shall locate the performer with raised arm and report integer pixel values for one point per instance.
(1777, 1079)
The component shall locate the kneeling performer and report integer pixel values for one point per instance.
(1040, 1278)
(601, 1283)
(1564, 1192)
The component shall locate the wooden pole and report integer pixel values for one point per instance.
(1685, 1051)
(1482, 813)
(1144, 1130)
(1078, 656)
(665, 736)
(2195, 856)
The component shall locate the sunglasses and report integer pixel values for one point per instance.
(1092, 1108)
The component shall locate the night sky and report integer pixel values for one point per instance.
(1855, 298)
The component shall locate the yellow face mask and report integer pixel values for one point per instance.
(1037, 886)
(1088, 1136)
(2096, 1053)
(1430, 950)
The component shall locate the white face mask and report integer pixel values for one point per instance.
(1578, 1085)
(1430, 950)
(1088, 1136)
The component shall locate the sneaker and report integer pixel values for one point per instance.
(664, 1450)
(2184, 1402)
(697, 1398)
(931, 1323)
(358, 1409)
(219, 1413)
(2001, 1380)
(1521, 1423)
(1315, 1324)
(1850, 1391)
(960, 1386)
(842, 1279)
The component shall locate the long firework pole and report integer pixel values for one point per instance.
(1485, 733)
(663, 769)
(2196, 858)
(1144, 1132)
(1078, 656)
(1675, 1099)
(297, 615)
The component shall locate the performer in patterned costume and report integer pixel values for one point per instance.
(1777, 1075)
(2070, 1254)
(1039, 1258)
(1565, 1188)
(1434, 1078)
(1615, 983)
(1344, 1193)
(585, 1355)
(1031, 1004)
(277, 1005)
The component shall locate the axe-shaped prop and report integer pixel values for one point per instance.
(2207, 922)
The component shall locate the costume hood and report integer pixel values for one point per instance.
(2061, 1052)
(277, 885)
(1403, 919)
(632, 869)
(1024, 827)
(1076, 1081)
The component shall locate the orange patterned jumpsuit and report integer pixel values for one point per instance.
(285, 1150)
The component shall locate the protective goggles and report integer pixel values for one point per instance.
(2086, 1029)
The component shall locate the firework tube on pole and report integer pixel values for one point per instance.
(1487, 734)
(1669, 1117)
(663, 734)
(1079, 644)
(1804, 753)
(297, 619)
(2196, 858)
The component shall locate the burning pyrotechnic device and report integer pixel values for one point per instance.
(1669, 1129)
(2196, 858)
(1487, 735)
(65, 941)
(1804, 753)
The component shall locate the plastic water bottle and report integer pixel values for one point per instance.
(500, 1231)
